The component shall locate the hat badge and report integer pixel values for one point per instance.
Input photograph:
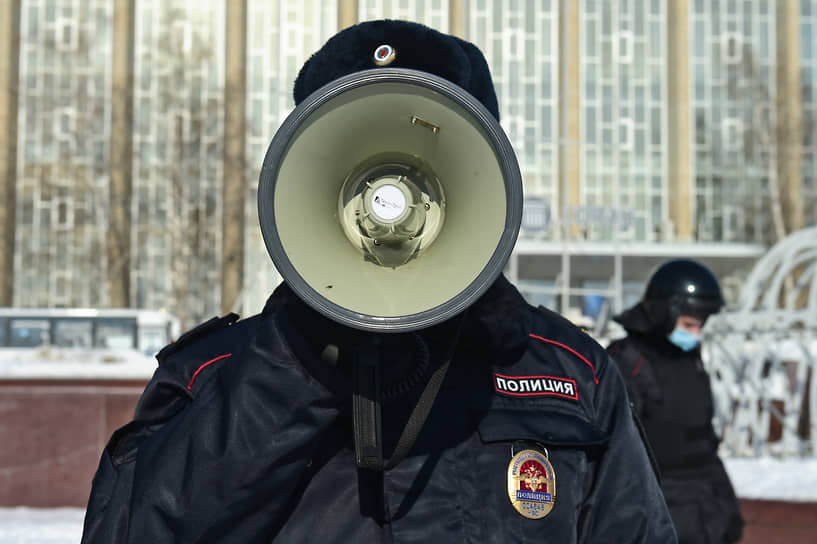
(384, 55)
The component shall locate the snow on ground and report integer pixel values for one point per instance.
(41, 525)
(767, 478)
(763, 478)
(74, 364)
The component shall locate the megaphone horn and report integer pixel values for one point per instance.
(390, 199)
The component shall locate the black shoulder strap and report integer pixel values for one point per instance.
(203, 329)
(418, 416)
(366, 408)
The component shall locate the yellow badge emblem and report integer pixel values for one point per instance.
(531, 484)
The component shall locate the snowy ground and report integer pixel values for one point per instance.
(764, 478)
(41, 525)
(74, 364)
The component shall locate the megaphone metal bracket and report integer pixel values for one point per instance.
(431, 126)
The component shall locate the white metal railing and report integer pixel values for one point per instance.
(762, 356)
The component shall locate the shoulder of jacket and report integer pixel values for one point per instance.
(217, 338)
(618, 347)
(627, 355)
(554, 329)
(560, 325)
(196, 333)
(190, 361)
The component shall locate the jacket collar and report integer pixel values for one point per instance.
(496, 326)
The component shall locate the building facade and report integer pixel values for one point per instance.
(134, 131)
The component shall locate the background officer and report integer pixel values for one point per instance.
(669, 388)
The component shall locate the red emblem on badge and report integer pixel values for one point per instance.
(533, 476)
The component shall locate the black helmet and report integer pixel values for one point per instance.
(681, 287)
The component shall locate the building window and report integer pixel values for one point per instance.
(526, 82)
(731, 48)
(622, 54)
(63, 152)
(734, 138)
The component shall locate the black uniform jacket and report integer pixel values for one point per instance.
(244, 435)
(671, 394)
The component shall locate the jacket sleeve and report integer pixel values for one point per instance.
(625, 503)
(226, 466)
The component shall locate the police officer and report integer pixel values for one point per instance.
(246, 434)
(661, 362)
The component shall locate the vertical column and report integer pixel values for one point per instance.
(9, 83)
(235, 130)
(347, 13)
(456, 18)
(121, 190)
(789, 115)
(679, 137)
(569, 112)
(569, 131)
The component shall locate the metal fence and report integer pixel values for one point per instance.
(762, 356)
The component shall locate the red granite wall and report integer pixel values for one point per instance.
(773, 522)
(52, 433)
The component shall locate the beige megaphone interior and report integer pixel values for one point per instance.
(442, 221)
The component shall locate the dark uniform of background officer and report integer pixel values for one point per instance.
(661, 361)
(245, 433)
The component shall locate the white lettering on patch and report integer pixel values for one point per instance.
(526, 386)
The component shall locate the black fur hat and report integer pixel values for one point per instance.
(415, 46)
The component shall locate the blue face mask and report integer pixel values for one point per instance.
(684, 339)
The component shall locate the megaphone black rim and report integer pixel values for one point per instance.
(446, 310)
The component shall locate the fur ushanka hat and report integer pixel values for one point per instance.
(398, 44)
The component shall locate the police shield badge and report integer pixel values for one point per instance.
(531, 484)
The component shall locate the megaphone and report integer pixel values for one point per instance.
(390, 199)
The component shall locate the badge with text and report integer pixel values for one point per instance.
(531, 484)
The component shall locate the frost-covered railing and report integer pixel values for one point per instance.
(762, 355)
